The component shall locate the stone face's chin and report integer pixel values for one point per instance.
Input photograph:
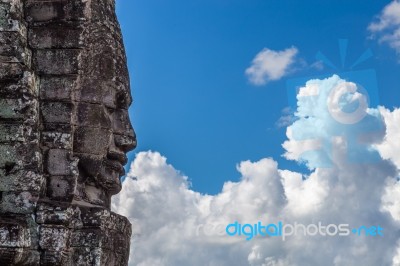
(106, 173)
(114, 166)
(102, 173)
(109, 177)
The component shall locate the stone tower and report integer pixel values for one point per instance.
(64, 133)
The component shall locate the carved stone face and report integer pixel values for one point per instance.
(103, 133)
(84, 100)
(102, 138)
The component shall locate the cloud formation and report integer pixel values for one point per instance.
(387, 26)
(269, 65)
(174, 225)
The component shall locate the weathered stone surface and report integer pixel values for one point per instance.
(61, 188)
(11, 70)
(11, 13)
(13, 45)
(20, 180)
(17, 109)
(14, 233)
(20, 156)
(50, 258)
(56, 61)
(92, 140)
(57, 140)
(57, 88)
(64, 133)
(24, 88)
(58, 162)
(53, 237)
(93, 115)
(19, 256)
(57, 35)
(19, 202)
(56, 112)
(59, 214)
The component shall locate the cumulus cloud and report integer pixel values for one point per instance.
(387, 25)
(175, 225)
(390, 147)
(331, 111)
(269, 65)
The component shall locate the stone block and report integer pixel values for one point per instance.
(59, 213)
(53, 237)
(56, 112)
(11, 70)
(51, 258)
(90, 237)
(57, 127)
(8, 156)
(19, 202)
(26, 87)
(10, 15)
(11, 133)
(20, 156)
(30, 156)
(96, 90)
(14, 45)
(14, 232)
(56, 61)
(18, 110)
(11, 8)
(56, 36)
(91, 140)
(94, 115)
(61, 188)
(56, 140)
(57, 88)
(83, 256)
(105, 219)
(20, 180)
(61, 10)
(58, 162)
(100, 238)
(19, 256)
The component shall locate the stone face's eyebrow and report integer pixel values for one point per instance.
(64, 133)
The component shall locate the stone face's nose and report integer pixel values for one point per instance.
(125, 142)
(124, 134)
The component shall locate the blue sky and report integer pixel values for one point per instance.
(212, 82)
(193, 102)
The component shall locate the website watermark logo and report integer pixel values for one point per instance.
(284, 231)
(347, 102)
(249, 231)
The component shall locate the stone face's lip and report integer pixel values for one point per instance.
(117, 156)
(115, 165)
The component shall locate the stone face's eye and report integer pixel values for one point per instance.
(110, 111)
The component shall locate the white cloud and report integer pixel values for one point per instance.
(396, 259)
(269, 65)
(390, 147)
(387, 25)
(174, 225)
